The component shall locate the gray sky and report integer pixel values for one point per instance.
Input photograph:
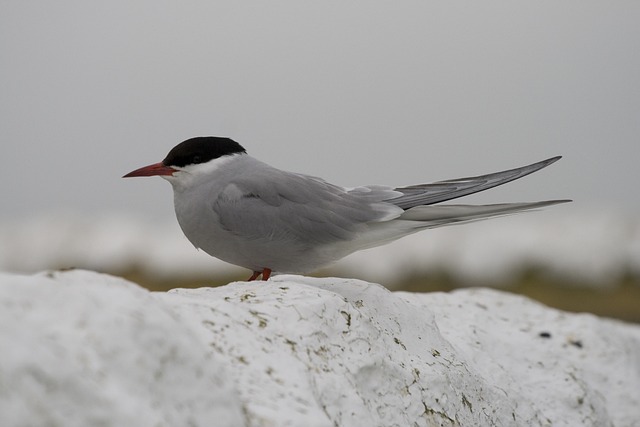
(356, 92)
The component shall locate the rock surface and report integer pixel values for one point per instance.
(79, 348)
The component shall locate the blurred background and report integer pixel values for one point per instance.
(358, 93)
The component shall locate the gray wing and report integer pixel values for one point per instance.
(277, 205)
(428, 194)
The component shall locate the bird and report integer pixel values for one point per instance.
(243, 211)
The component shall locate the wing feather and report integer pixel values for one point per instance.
(274, 204)
(428, 194)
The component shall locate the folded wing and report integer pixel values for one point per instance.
(428, 194)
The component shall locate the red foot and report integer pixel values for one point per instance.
(266, 273)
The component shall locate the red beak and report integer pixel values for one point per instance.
(152, 170)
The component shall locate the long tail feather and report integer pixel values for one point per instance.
(441, 215)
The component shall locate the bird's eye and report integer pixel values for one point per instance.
(196, 159)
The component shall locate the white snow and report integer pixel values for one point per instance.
(81, 348)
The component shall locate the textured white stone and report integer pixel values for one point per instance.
(79, 348)
(85, 349)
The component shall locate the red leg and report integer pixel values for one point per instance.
(266, 273)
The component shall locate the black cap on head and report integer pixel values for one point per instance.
(200, 150)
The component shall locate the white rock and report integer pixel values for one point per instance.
(79, 348)
(84, 349)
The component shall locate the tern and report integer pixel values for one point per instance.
(245, 212)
